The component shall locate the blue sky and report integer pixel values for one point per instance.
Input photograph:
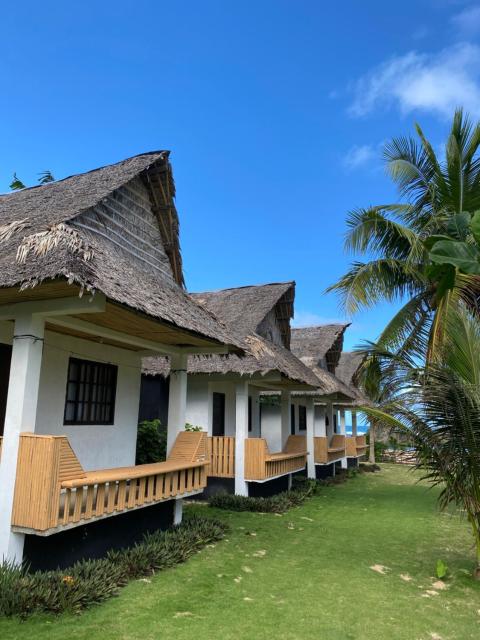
(275, 112)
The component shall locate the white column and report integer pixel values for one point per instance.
(254, 394)
(310, 438)
(320, 424)
(241, 434)
(177, 399)
(342, 431)
(354, 423)
(177, 511)
(20, 416)
(285, 416)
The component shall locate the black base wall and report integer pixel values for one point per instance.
(93, 540)
(217, 485)
(352, 463)
(323, 471)
(269, 488)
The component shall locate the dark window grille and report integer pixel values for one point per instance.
(292, 419)
(302, 418)
(250, 421)
(91, 389)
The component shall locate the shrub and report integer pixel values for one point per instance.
(280, 503)
(151, 442)
(92, 581)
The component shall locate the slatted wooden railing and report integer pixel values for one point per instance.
(221, 455)
(53, 491)
(261, 465)
(326, 451)
(356, 446)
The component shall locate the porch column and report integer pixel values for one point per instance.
(285, 419)
(310, 438)
(320, 424)
(342, 431)
(177, 399)
(20, 416)
(241, 434)
(354, 423)
(254, 394)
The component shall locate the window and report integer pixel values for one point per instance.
(292, 419)
(249, 413)
(218, 414)
(91, 388)
(302, 418)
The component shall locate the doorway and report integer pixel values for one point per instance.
(218, 414)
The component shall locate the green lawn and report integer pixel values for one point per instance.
(306, 574)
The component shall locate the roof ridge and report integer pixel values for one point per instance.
(162, 153)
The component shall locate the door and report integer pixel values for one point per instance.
(5, 357)
(218, 414)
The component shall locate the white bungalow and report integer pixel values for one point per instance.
(224, 393)
(319, 348)
(91, 281)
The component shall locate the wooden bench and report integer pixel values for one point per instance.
(53, 490)
(326, 452)
(261, 465)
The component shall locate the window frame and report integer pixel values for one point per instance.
(302, 417)
(88, 380)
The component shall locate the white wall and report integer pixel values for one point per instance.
(96, 446)
(199, 403)
(270, 426)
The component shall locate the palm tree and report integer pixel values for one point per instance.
(396, 238)
(439, 407)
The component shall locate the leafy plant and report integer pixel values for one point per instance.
(441, 569)
(151, 442)
(44, 178)
(279, 503)
(192, 427)
(92, 581)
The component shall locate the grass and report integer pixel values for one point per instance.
(303, 575)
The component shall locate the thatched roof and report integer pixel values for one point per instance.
(262, 356)
(322, 344)
(41, 239)
(348, 366)
(245, 308)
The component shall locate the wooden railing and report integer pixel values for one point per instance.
(221, 456)
(52, 490)
(326, 452)
(261, 465)
(356, 446)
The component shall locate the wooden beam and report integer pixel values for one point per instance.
(98, 331)
(55, 307)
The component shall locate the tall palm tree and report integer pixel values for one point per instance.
(439, 407)
(395, 237)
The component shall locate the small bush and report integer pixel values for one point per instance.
(92, 581)
(151, 442)
(280, 503)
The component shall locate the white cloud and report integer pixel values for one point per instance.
(309, 319)
(359, 155)
(468, 20)
(437, 83)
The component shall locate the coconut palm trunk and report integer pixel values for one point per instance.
(371, 431)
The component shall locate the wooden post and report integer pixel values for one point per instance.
(310, 438)
(177, 399)
(241, 434)
(20, 416)
(285, 417)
